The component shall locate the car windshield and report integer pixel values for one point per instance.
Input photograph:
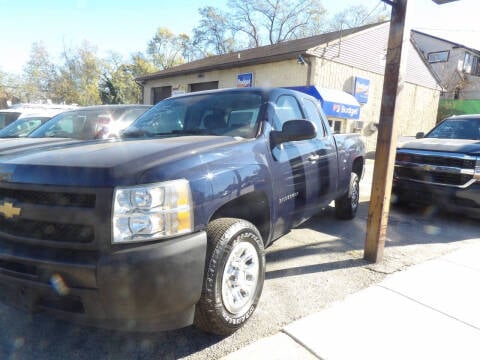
(22, 127)
(233, 114)
(87, 124)
(466, 129)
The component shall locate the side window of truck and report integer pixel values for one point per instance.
(314, 116)
(286, 108)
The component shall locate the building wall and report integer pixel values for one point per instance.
(283, 73)
(450, 72)
(418, 104)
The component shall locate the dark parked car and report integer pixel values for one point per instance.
(442, 168)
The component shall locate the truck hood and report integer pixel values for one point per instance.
(106, 163)
(12, 146)
(470, 147)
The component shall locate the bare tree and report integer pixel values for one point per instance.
(255, 23)
(357, 16)
(212, 36)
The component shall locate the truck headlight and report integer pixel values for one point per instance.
(153, 211)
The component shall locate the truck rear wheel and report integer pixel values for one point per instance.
(234, 276)
(346, 206)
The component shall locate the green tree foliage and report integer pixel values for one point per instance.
(118, 85)
(79, 76)
(38, 75)
(167, 49)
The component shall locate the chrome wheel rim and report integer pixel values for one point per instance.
(240, 278)
(355, 195)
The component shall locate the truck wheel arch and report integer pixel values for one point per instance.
(253, 207)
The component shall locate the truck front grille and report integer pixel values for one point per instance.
(433, 177)
(448, 169)
(61, 217)
(50, 199)
(48, 231)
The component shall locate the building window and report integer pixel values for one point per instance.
(211, 85)
(438, 56)
(471, 64)
(160, 93)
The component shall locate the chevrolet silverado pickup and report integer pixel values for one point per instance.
(167, 225)
(442, 168)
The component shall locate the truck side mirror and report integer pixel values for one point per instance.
(419, 135)
(293, 130)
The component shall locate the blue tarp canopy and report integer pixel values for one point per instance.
(335, 103)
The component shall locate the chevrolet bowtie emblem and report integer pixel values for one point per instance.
(8, 210)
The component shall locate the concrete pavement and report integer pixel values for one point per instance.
(429, 311)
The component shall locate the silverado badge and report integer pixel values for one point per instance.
(8, 210)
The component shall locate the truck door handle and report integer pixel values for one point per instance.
(313, 157)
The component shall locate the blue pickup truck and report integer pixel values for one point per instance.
(167, 226)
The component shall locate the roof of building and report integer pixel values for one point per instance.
(260, 55)
(447, 41)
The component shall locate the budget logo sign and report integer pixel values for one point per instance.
(245, 80)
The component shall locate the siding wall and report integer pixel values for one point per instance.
(283, 73)
(448, 72)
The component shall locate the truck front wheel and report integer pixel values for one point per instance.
(234, 276)
(346, 206)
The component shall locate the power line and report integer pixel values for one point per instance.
(371, 12)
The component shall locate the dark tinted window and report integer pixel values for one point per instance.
(230, 114)
(467, 129)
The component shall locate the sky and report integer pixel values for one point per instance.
(126, 26)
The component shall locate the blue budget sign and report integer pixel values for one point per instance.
(339, 110)
(361, 89)
(245, 80)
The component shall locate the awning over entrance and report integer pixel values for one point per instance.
(335, 103)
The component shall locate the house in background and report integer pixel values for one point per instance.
(456, 66)
(346, 69)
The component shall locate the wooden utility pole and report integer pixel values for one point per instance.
(386, 140)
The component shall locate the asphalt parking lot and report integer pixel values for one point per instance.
(313, 266)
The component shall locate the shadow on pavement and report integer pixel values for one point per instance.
(41, 337)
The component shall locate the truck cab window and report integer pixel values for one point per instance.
(314, 116)
(286, 108)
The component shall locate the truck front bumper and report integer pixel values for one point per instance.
(462, 201)
(146, 287)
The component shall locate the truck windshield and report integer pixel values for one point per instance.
(465, 129)
(233, 114)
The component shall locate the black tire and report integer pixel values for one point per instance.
(216, 311)
(346, 206)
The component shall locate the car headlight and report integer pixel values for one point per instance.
(151, 212)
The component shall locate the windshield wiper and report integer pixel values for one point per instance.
(192, 132)
(134, 133)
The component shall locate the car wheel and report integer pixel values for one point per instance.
(234, 276)
(346, 206)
